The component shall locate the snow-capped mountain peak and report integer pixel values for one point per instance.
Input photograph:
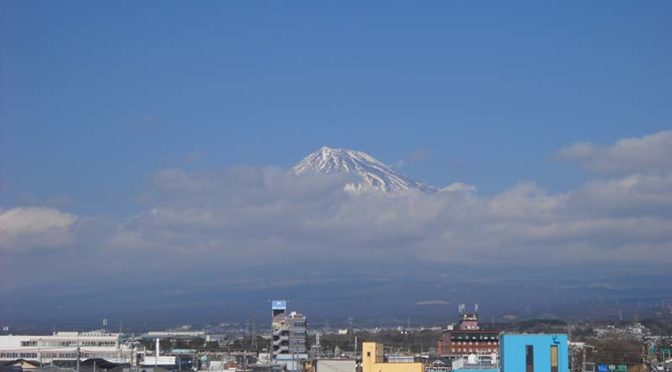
(368, 173)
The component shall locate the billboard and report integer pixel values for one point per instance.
(279, 305)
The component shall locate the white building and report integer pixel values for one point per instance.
(335, 365)
(175, 334)
(65, 346)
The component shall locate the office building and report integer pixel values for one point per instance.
(296, 323)
(288, 336)
(65, 346)
(468, 338)
(279, 332)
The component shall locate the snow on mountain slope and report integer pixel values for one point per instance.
(368, 173)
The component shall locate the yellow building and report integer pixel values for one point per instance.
(373, 361)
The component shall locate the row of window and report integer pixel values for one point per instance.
(475, 343)
(479, 337)
(99, 343)
(53, 355)
(35, 355)
(69, 343)
(466, 350)
(17, 355)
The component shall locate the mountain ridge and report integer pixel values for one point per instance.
(367, 173)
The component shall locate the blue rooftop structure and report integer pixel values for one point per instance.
(534, 352)
(530, 353)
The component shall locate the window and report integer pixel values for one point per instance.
(368, 353)
(529, 358)
(554, 358)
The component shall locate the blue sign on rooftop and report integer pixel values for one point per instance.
(279, 305)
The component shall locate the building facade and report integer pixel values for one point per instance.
(373, 360)
(527, 353)
(535, 353)
(279, 331)
(65, 346)
(288, 336)
(468, 339)
(296, 323)
(335, 365)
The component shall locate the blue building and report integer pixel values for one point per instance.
(530, 353)
(534, 353)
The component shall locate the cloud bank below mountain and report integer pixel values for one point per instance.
(199, 221)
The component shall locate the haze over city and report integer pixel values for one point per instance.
(168, 163)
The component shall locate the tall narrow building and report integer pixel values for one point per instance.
(296, 323)
(279, 331)
(288, 337)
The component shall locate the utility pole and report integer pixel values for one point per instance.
(351, 330)
(134, 357)
(317, 343)
(78, 352)
(254, 334)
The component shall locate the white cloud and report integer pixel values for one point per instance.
(459, 187)
(256, 216)
(34, 227)
(262, 215)
(432, 302)
(34, 220)
(651, 153)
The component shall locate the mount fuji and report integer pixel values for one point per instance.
(365, 172)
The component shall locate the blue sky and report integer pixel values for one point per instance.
(95, 97)
(143, 144)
